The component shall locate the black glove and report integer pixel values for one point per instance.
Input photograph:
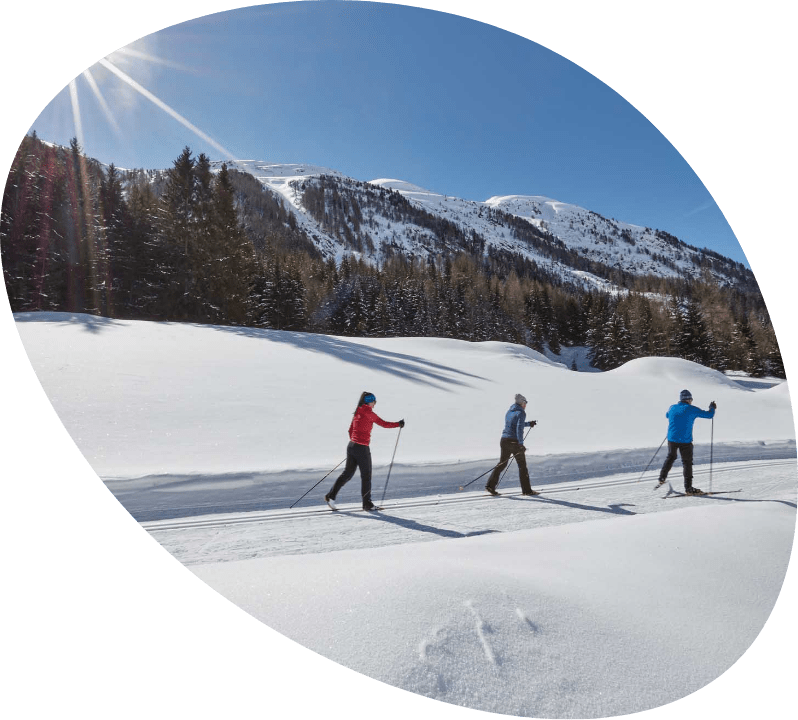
(401, 423)
(532, 423)
(523, 449)
(713, 405)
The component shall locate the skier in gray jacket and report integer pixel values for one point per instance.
(512, 444)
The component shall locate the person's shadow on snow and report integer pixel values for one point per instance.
(413, 525)
(617, 509)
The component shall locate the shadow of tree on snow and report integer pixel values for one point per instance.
(409, 367)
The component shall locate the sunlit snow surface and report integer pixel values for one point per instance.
(597, 598)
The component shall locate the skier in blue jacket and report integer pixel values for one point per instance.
(512, 444)
(680, 438)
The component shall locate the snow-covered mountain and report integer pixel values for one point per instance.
(372, 220)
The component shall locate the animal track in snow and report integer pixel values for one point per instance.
(427, 643)
(482, 628)
(524, 619)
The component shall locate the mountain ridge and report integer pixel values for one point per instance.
(626, 247)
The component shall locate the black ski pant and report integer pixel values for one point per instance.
(357, 456)
(686, 451)
(508, 448)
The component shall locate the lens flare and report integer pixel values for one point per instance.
(130, 52)
(163, 106)
(73, 96)
(103, 104)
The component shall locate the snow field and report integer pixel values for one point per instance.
(530, 607)
(580, 620)
(145, 398)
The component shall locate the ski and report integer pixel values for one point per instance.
(374, 509)
(703, 494)
(498, 494)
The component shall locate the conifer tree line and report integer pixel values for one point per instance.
(192, 245)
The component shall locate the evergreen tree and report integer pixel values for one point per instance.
(600, 353)
(746, 350)
(616, 347)
(176, 276)
(693, 340)
(123, 253)
(774, 362)
(231, 258)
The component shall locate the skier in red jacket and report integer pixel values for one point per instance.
(358, 454)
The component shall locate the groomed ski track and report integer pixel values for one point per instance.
(314, 529)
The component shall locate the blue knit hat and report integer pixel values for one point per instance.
(369, 399)
(685, 395)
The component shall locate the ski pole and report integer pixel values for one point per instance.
(463, 487)
(318, 483)
(711, 447)
(390, 467)
(510, 461)
(652, 458)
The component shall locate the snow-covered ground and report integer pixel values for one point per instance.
(588, 618)
(148, 399)
(578, 603)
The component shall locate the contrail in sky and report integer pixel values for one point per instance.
(700, 208)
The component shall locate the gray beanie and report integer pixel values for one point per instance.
(520, 398)
(685, 395)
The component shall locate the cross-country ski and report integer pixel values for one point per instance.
(701, 494)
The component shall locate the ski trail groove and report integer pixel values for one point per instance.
(454, 499)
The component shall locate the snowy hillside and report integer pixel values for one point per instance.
(145, 398)
(631, 248)
(613, 244)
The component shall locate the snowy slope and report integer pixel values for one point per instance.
(631, 248)
(143, 398)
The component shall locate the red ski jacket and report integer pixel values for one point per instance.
(360, 427)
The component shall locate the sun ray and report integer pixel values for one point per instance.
(103, 104)
(169, 111)
(73, 96)
(152, 58)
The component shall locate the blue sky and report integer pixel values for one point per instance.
(379, 91)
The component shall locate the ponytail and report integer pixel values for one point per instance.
(362, 399)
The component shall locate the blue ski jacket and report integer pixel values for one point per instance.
(514, 422)
(680, 421)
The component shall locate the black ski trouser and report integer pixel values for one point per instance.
(686, 451)
(357, 456)
(508, 448)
